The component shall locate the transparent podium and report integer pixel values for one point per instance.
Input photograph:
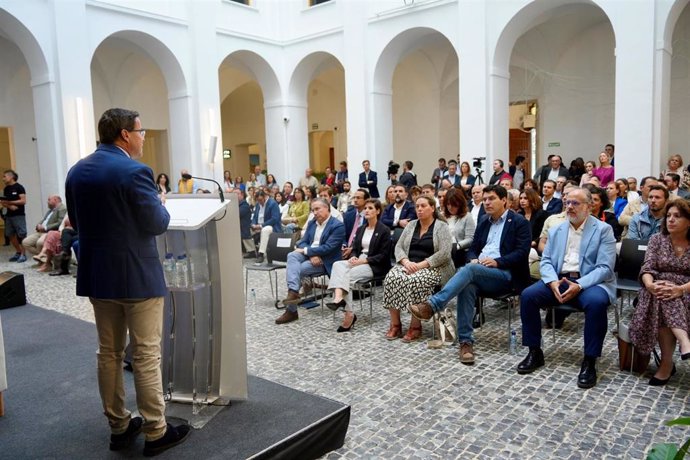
(204, 357)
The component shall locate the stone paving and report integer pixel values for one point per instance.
(410, 402)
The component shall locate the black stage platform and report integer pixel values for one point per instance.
(52, 407)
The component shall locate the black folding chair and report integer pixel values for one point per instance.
(630, 262)
(277, 250)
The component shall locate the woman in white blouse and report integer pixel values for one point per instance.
(370, 257)
(460, 223)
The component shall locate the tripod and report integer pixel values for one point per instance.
(478, 175)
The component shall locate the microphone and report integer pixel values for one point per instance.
(220, 189)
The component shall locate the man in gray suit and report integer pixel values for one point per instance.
(51, 221)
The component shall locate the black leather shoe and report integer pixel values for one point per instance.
(347, 329)
(335, 306)
(173, 436)
(588, 373)
(124, 440)
(259, 259)
(533, 361)
(655, 382)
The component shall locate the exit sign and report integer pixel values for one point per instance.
(554, 144)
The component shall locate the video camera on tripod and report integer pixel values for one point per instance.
(477, 163)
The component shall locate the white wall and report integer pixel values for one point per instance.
(573, 82)
(679, 136)
(16, 111)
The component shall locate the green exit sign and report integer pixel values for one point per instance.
(554, 144)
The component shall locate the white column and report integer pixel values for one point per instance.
(182, 155)
(355, 88)
(662, 104)
(296, 139)
(635, 88)
(383, 135)
(499, 94)
(277, 149)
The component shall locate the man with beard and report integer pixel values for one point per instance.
(648, 222)
(577, 268)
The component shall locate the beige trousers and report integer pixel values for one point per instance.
(144, 319)
(34, 242)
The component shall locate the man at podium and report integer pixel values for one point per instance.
(120, 272)
(314, 254)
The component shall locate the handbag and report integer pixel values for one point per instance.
(629, 358)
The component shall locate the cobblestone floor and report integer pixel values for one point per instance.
(411, 402)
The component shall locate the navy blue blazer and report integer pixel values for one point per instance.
(380, 247)
(330, 243)
(271, 215)
(113, 204)
(554, 207)
(373, 189)
(515, 245)
(245, 219)
(455, 182)
(408, 212)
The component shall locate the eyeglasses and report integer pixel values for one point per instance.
(572, 203)
(140, 131)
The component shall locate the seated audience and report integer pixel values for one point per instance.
(648, 222)
(288, 190)
(265, 221)
(636, 206)
(163, 184)
(186, 184)
(577, 170)
(551, 205)
(661, 315)
(283, 203)
(423, 262)
(52, 247)
(298, 212)
(460, 223)
(248, 245)
(672, 182)
(467, 180)
(605, 171)
(675, 166)
(389, 195)
(354, 218)
(52, 219)
(514, 199)
(529, 183)
(577, 268)
(587, 176)
(531, 209)
(370, 257)
(600, 202)
(477, 203)
(314, 254)
(345, 197)
(498, 264)
(401, 212)
(271, 182)
(239, 183)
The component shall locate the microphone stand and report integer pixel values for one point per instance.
(220, 189)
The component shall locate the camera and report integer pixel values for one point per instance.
(286, 119)
(393, 168)
(477, 161)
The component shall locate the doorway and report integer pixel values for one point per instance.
(522, 136)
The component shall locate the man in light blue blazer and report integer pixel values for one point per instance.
(577, 268)
(266, 220)
(314, 254)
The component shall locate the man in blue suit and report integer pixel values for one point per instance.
(577, 269)
(399, 213)
(266, 220)
(552, 205)
(368, 180)
(498, 264)
(120, 272)
(314, 254)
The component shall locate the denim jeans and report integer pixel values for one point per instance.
(299, 266)
(467, 282)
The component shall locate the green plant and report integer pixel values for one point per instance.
(667, 450)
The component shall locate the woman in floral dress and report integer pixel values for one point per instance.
(662, 312)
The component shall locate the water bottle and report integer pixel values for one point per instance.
(198, 263)
(513, 342)
(169, 269)
(181, 271)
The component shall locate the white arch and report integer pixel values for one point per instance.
(28, 45)
(259, 69)
(305, 71)
(396, 49)
(672, 18)
(164, 58)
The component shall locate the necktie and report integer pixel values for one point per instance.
(354, 231)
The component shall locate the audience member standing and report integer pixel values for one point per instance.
(120, 272)
(675, 166)
(555, 170)
(341, 176)
(408, 178)
(498, 172)
(453, 177)
(439, 173)
(308, 180)
(369, 180)
(15, 218)
(259, 176)
(466, 179)
(605, 171)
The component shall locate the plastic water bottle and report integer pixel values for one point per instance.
(513, 342)
(181, 271)
(198, 263)
(169, 269)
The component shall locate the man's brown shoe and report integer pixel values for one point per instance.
(422, 311)
(287, 317)
(466, 354)
(292, 298)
